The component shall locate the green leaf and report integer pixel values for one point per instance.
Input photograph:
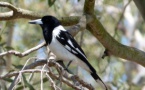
(18, 66)
(27, 83)
(2, 62)
(8, 79)
(44, 80)
(11, 70)
(2, 43)
(51, 2)
(9, 48)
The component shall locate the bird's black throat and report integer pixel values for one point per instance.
(49, 24)
(47, 33)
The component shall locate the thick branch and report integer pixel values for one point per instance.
(69, 21)
(17, 13)
(89, 7)
(8, 5)
(113, 47)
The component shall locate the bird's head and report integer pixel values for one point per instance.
(48, 22)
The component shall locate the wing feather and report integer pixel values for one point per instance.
(71, 45)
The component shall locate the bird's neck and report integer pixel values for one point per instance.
(47, 33)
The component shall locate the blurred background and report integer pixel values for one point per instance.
(121, 19)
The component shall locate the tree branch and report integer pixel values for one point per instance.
(89, 7)
(19, 54)
(78, 27)
(113, 47)
(18, 13)
(8, 5)
(66, 76)
(121, 17)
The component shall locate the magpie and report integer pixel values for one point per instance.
(64, 46)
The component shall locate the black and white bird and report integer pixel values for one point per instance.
(64, 46)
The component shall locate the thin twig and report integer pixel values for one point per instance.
(70, 76)
(42, 76)
(49, 72)
(8, 5)
(39, 62)
(17, 77)
(19, 54)
(64, 81)
(56, 65)
(52, 82)
(121, 17)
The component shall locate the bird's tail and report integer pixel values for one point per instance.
(98, 80)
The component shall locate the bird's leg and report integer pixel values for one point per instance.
(76, 83)
(68, 64)
(65, 68)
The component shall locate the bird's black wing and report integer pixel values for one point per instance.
(71, 45)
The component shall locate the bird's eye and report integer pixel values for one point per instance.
(46, 20)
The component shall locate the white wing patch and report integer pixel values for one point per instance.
(67, 47)
(76, 49)
(60, 28)
(80, 52)
(56, 32)
(74, 52)
(70, 43)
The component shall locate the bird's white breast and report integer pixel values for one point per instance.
(59, 50)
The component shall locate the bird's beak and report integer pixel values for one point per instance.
(37, 21)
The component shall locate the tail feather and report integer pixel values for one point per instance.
(98, 80)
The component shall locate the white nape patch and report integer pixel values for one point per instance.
(57, 30)
(60, 27)
(80, 52)
(67, 47)
(74, 52)
(70, 43)
(101, 83)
